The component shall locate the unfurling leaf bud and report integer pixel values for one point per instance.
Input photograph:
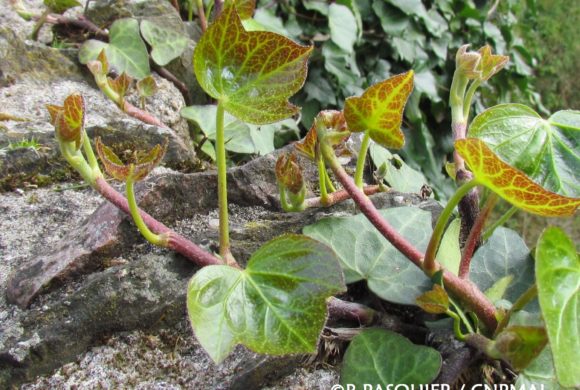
(289, 173)
(138, 169)
(120, 84)
(491, 63)
(69, 120)
(468, 63)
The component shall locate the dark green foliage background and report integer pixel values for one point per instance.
(411, 34)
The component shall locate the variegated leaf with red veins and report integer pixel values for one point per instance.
(252, 73)
(140, 168)
(380, 110)
(245, 8)
(69, 120)
(121, 84)
(490, 64)
(289, 173)
(511, 184)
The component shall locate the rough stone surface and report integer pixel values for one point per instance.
(148, 286)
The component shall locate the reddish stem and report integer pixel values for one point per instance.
(143, 116)
(475, 236)
(339, 196)
(464, 289)
(177, 242)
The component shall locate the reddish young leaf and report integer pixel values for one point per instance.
(435, 301)
(490, 64)
(510, 183)
(252, 73)
(468, 63)
(121, 84)
(289, 173)
(307, 147)
(380, 110)
(140, 167)
(245, 7)
(69, 120)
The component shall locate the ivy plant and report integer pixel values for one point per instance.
(279, 303)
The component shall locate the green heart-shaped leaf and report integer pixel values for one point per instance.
(365, 254)
(380, 357)
(380, 110)
(558, 280)
(277, 305)
(240, 137)
(511, 184)
(546, 150)
(126, 51)
(540, 372)
(147, 87)
(398, 175)
(252, 73)
(504, 254)
(166, 43)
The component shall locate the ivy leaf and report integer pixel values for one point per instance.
(289, 172)
(398, 175)
(240, 137)
(343, 27)
(138, 169)
(120, 84)
(519, 345)
(380, 110)
(546, 150)
(558, 280)
(245, 8)
(380, 356)
(307, 147)
(167, 44)
(69, 120)
(277, 305)
(449, 252)
(366, 255)
(435, 301)
(504, 254)
(539, 373)
(60, 6)
(490, 64)
(252, 73)
(147, 87)
(126, 51)
(510, 183)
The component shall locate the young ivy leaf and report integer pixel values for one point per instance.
(289, 173)
(277, 305)
(146, 87)
(435, 301)
(166, 43)
(307, 147)
(245, 8)
(558, 279)
(121, 84)
(380, 110)
(251, 73)
(140, 167)
(69, 120)
(490, 64)
(511, 184)
(544, 149)
(60, 6)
